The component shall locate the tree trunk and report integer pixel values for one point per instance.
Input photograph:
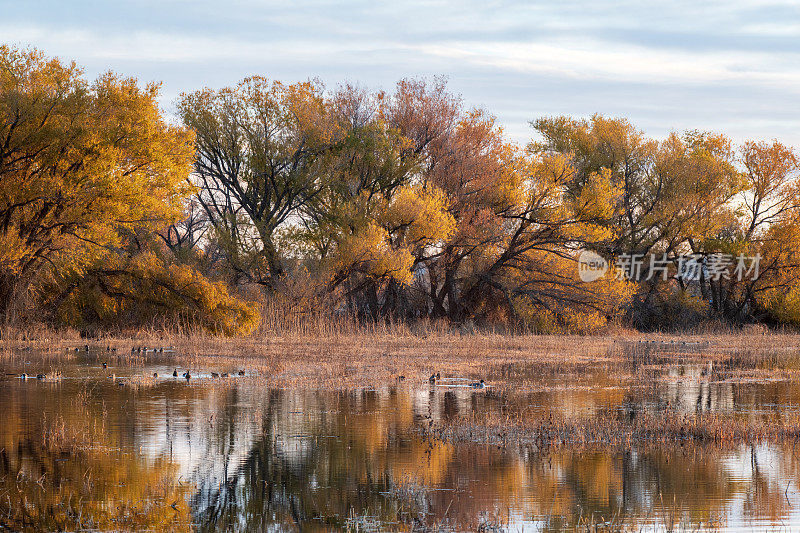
(8, 285)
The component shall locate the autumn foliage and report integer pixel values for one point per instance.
(401, 205)
(84, 167)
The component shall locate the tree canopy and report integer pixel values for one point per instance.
(403, 204)
(84, 167)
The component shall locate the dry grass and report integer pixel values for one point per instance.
(380, 356)
(552, 431)
(365, 360)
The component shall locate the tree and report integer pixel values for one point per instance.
(79, 162)
(764, 221)
(674, 193)
(261, 150)
(429, 211)
(377, 215)
(142, 290)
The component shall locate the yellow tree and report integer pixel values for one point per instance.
(378, 216)
(78, 163)
(765, 221)
(520, 219)
(671, 191)
(674, 193)
(430, 211)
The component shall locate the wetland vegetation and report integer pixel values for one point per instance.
(295, 307)
(609, 433)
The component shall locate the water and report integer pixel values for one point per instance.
(230, 454)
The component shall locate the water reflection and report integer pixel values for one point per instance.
(233, 455)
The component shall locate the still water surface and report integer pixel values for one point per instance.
(231, 454)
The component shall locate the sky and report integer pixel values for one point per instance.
(728, 66)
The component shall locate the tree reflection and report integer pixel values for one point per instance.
(241, 457)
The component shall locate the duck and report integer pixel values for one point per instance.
(175, 373)
(105, 365)
(224, 374)
(187, 375)
(24, 376)
(155, 374)
(39, 376)
(432, 379)
(241, 372)
(214, 375)
(478, 384)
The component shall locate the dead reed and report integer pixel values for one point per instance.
(619, 430)
(386, 353)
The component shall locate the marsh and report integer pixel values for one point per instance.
(597, 441)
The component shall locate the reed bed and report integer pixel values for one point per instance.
(618, 431)
(375, 357)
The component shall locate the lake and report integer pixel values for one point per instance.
(134, 451)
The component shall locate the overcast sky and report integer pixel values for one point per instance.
(731, 66)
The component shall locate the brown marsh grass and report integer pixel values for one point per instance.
(373, 357)
(508, 363)
(618, 430)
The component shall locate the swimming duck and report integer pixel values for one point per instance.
(478, 384)
(105, 365)
(214, 375)
(24, 376)
(432, 379)
(241, 372)
(39, 376)
(225, 374)
(155, 374)
(187, 375)
(175, 373)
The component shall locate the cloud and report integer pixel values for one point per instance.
(723, 65)
(588, 59)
